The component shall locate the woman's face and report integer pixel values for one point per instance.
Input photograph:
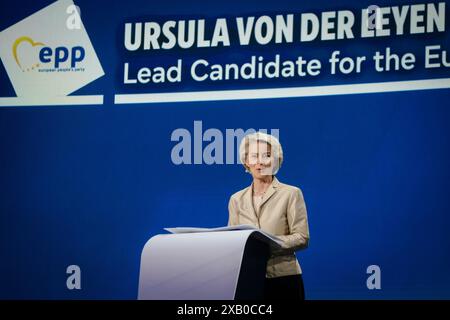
(259, 159)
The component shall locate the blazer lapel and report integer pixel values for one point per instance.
(270, 191)
(249, 197)
(249, 201)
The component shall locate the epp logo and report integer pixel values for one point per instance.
(46, 54)
(61, 54)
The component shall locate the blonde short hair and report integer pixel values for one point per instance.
(275, 145)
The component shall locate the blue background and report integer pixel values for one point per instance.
(89, 185)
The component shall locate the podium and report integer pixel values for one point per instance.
(219, 265)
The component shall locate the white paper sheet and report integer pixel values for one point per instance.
(178, 230)
(195, 229)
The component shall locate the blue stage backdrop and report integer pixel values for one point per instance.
(89, 168)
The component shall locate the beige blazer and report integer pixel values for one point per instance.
(283, 214)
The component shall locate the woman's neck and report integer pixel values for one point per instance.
(261, 185)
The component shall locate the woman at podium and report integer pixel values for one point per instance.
(276, 208)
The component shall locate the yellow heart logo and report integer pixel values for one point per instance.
(16, 45)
